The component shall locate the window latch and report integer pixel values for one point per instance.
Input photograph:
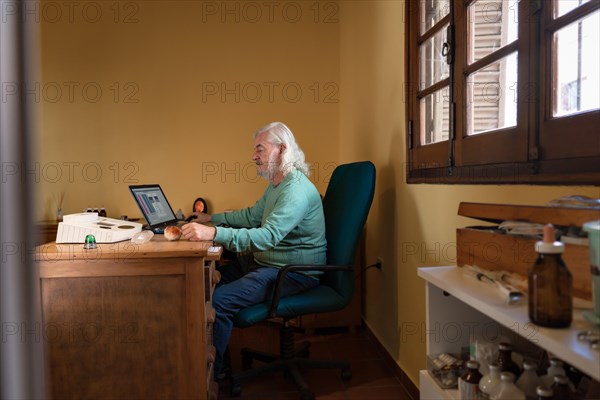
(448, 46)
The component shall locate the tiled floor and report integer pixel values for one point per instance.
(372, 379)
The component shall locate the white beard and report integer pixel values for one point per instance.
(272, 169)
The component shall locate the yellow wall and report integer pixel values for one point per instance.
(410, 225)
(352, 57)
(170, 92)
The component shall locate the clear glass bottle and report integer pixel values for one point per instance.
(505, 361)
(59, 215)
(529, 379)
(544, 393)
(468, 384)
(489, 381)
(550, 285)
(507, 390)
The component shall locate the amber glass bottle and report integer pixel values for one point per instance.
(468, 384)
(550, 285)
(561, 388)
(505, 360)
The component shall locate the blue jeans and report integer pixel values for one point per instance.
(245, 283)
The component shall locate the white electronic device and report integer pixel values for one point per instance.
(75, 227)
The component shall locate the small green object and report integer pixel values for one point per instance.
(90, 242)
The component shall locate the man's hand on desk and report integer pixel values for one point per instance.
(197, 232)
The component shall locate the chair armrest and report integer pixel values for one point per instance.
(293, 268)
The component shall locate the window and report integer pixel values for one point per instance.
(503, 91)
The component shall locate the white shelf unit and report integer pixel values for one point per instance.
(457, 305)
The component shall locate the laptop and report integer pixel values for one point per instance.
(155, 207)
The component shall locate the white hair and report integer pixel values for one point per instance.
(292, 157)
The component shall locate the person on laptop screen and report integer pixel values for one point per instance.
(285, 226)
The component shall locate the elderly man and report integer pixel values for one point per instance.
(285, 226)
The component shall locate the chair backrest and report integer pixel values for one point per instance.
(346, 206)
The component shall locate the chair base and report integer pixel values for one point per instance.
(290, 361)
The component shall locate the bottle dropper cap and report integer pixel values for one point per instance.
(548, 245)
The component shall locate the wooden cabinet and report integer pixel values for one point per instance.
(458, 305)
(126, 320)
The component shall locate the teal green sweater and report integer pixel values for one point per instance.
(285, 226)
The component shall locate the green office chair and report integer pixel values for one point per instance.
(346, 206)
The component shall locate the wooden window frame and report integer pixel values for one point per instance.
(535, 151)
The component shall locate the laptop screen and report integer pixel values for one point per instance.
(154, 205)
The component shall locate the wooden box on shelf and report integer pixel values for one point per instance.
(489, 249)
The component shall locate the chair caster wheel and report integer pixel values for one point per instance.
(246, 362)
(346, 374)
(236, 389)
(307, 395)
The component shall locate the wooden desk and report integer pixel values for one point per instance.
(127, 321)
